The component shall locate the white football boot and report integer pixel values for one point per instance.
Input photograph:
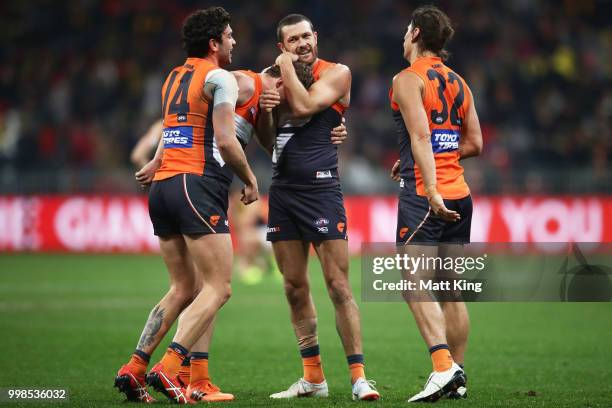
(363, 390)
(440, 383)
(302, 388)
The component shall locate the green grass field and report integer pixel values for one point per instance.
(71, 321)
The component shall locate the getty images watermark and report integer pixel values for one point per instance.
(423, 266)
(487, 272)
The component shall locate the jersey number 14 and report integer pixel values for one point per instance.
(179, 104)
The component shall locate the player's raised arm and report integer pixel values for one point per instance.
(407, 93)
(471, 136)
(222, 88)
(330, 88)
(266, 121)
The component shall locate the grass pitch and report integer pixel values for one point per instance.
(71, 321)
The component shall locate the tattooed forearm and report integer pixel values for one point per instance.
(152, 327)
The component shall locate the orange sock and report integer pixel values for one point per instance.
(138, 364)
(357, 371)
(185, 371)
(172, 360)
(199, 370)
(441, 357)
(313, 371)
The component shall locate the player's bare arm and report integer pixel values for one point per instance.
(333, 86)
(145, 175)
(231, 151)
(142, 151)
(266, 121)
(246, 87)
(224, 92)
(407, 93)
(471, 136)
(266, 146)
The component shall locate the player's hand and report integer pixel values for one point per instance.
(395, 171)
(269, 99)
(339, 133)
(144, 176)
(250, 193)
(437, 206)
(286, 57)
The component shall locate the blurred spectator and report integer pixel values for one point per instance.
(81, 80)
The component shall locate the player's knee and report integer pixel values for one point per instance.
(224, 293)
(297, 292)
(182, 294)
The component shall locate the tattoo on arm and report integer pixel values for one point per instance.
(154, 323)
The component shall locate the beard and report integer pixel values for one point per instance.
(310, 57)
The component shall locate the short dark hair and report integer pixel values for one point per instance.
(291, 19)
(302, 70)
(201, 27)
(435, 29)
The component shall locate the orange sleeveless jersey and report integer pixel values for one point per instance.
(318, 67)
(446, 98)
(249, 109)
(188, 134)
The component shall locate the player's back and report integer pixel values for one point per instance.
(245, 115)
(446, 99)
(188, 137)
(303, 153)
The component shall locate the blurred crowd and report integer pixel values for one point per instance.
(80, 83)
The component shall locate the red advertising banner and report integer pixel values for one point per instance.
(122, 224)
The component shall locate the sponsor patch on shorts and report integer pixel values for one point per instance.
(324, 174)
(321, 222)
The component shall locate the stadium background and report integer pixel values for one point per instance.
(80, 83)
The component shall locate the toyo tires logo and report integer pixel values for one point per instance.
(178, 137)
(444, 140)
